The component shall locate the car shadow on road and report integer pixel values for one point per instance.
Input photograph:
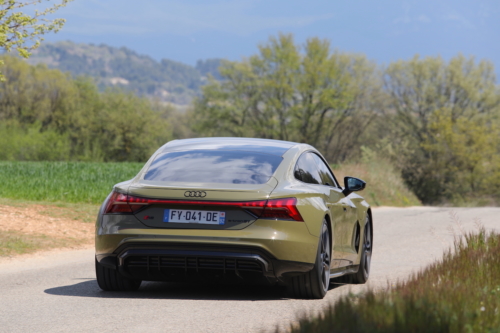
(184, 291)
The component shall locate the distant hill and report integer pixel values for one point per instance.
(167, 80)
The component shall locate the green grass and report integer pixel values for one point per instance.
(69, 182)
(12, 243)
(460, 293)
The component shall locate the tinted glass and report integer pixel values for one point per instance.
(213, 166)
(306, 169)
(266, 146)
(325, 173)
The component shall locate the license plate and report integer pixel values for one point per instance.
(194, 216)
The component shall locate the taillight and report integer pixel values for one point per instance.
(120, 203)
(281, 209)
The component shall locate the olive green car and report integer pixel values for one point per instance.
(235, 209)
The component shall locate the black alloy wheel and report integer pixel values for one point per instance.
(366, 255)
(367, 248)
(315, 283)
(325, 258)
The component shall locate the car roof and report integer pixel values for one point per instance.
(267, 146)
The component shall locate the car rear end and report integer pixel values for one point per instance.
(205, 212)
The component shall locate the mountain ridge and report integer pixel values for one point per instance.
(167, 80)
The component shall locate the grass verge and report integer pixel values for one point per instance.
(460, 293)
(74, 211)
(29, 226)
(71, 182)
(13, 242)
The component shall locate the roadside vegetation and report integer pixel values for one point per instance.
(460, 293)
(385, 186)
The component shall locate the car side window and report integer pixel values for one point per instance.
(306, 170)
(324, 171)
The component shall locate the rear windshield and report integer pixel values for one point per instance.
(213, 166)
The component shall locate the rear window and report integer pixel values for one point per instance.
(213, 166)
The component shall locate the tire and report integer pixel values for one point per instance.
(110, 280)
(366, 255)
(314, 284)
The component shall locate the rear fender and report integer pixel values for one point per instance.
(311, 206)
(313, 211)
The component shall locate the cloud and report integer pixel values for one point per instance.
(460, 19)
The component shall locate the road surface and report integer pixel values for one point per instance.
(57, 292)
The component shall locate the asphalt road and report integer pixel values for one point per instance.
(58, 293)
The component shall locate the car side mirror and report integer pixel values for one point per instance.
(352, 185)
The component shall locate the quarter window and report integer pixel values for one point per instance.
(325, 172)
(306, 170)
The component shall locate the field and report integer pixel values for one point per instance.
(460, 293)
(70, 182)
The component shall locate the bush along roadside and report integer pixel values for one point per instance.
(385, 186)
(460, 293)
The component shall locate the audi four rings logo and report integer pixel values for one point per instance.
(195, 194)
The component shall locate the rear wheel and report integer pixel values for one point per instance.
(314, 284)
(366, 256)
(110, 280)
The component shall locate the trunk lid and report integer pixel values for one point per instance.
(229, 201)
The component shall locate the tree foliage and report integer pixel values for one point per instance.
(46, 115)
(21, 31)
(322, 98)
(443, 118)
(463, 160)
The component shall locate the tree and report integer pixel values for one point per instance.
(47, 115)
(443, 120)
(22, 31)
(463, 160)
(315, 96)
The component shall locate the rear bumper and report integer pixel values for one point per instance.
(178, 262)
(271, 249)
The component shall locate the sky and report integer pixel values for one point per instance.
(383, 30)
